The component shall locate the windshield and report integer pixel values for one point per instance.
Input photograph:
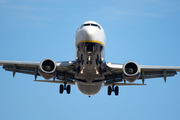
(90, 24)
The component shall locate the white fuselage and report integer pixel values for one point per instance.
(90, 42)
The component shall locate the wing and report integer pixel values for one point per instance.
(158, 71)
(64, 70)
(113, 71)
(113, 75)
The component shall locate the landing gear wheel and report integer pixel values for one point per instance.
(116, 90)
(64, 87)
(61, 89)
(68, 89)
(109, 90)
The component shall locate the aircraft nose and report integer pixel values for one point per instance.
(90, 34)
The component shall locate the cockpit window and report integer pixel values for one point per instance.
(87, 24)
(95, 25)
(90, 24)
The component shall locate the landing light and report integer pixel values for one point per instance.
(81, 71)
(97, 72)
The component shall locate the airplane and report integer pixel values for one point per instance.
(89, 71)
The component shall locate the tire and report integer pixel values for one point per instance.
(109, 90)
(116, 90)
(61, 89)
(68, 89)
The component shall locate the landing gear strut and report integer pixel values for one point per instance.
(64, 87)
(114, 89)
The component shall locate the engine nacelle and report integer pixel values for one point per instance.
(131, 71)
(47, 68)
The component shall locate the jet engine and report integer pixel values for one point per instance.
(47, 68)
(131, 71)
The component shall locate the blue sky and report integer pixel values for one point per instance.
(144, 31)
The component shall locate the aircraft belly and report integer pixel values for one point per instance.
(89, 89)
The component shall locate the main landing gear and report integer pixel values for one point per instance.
(114, 89)
(64, 87)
